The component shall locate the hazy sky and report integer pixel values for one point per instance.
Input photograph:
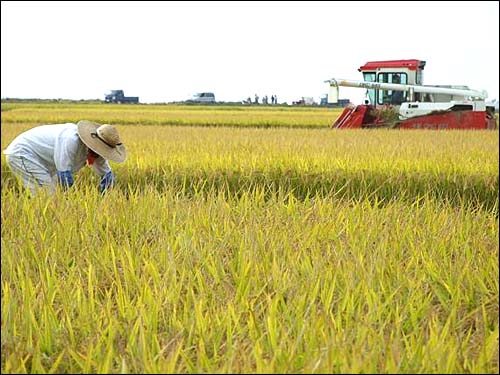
(167, 51)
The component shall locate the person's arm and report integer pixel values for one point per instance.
(65, 151)
(65, 179)
(107, 181)
(102, 168)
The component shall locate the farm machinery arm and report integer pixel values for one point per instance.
(336, 83)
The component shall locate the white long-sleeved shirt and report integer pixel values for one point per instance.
(57, 147)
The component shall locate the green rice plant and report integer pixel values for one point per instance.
(251, 250)
(162, 282)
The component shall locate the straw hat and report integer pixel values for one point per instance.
(103, 140)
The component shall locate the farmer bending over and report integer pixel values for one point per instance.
(48, 155)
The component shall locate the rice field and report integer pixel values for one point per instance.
(175, 115)
(254, 240)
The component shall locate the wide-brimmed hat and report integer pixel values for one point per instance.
(103, 140)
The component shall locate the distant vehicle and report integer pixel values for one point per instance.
(340, 103)
(304, 101)
(117, 96)
(203, 97)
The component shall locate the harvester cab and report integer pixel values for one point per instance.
(397, 98)
(403, 72)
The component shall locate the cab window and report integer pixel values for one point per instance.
(370, 77)
(392, 96)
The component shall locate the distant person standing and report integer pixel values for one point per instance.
(48, 155)
(256, 99)
(275, 99)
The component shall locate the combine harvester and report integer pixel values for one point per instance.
(397, 98)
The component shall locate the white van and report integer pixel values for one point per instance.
(203, 97)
